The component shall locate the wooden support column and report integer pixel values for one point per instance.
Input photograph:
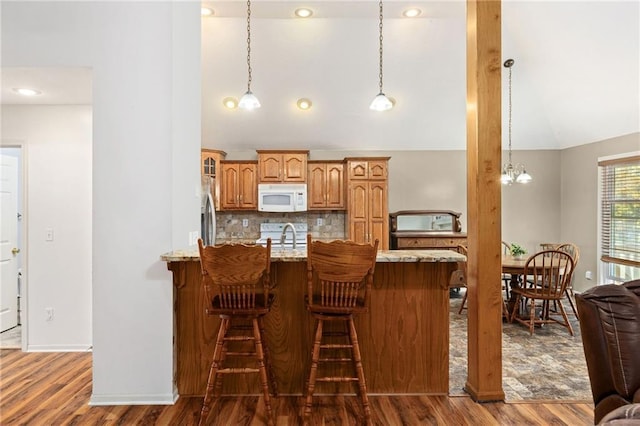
(484, 316)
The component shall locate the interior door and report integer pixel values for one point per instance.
(8, 242)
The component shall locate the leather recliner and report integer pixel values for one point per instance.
(610, 326)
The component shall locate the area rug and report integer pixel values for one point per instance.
(548, 365)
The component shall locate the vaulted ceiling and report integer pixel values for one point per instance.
(576, 77)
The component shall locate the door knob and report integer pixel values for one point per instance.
(15, 251)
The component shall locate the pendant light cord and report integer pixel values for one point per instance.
(249, 44)
(509, 64)
(380, 49)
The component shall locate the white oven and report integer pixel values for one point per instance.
(282, 197)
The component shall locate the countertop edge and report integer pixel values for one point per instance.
(290, 255)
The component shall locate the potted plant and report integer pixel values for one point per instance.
(517, 251)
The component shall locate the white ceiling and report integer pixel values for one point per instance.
(576, 77)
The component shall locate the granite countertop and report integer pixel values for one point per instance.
(300, 255)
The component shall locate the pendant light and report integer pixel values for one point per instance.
(509, 171)
(248, 101)
(381, 102)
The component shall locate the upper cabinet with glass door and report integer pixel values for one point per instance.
(210, 166)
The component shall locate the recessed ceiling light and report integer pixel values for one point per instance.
(206, 11)
(26, 92)
(304, 104)
(230, 102)
(412, 13)
(303, 12)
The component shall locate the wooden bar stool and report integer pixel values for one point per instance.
(236, 280)
(339, 280)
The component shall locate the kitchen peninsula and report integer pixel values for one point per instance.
(404, 338)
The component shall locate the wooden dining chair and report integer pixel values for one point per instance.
(548, 273)
(339, 281)
(572, 249)
(236, 280)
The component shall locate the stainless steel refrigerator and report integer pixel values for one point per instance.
(208, 212)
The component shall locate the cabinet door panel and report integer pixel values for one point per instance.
(248, 186)
(358, 170)
(295, 167)
(270, 166)
(358, 212)
(377, 169)
(378, 220)
(316, 186)
(335, 186)
(229, 186)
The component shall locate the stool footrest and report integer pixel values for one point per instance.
(243, 370)
(335, 360)
(337, 379)
(239, 338)
(335, 346)
(241, 354)
(335, 333)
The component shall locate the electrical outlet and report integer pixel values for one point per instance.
(193, 238)
(49, 313)
(319, 221)
(245, 222)
(588, 275)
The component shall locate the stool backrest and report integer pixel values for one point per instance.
(237, 274)
(340, 274)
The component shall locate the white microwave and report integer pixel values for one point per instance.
(282, 197)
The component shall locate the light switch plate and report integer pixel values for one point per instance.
(49, 234)
(319, 221)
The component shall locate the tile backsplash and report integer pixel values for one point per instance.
(229, 225)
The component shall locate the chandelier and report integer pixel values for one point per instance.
(380, 102)
(248, 101)
(511, 173)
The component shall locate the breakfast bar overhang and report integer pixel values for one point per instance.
(404, 338)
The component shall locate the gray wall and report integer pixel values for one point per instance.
(559, 205)
(437, 180)
(579, 199)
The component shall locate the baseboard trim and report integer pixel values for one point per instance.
(58, 348)
(156, 399)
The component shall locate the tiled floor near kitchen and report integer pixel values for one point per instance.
(548, 365)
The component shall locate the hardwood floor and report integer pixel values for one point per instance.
(54, 389)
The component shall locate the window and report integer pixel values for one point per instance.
(620, 216)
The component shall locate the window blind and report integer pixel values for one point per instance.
(621, 211)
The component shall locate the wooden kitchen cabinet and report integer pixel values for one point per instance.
(325, 187)
(367, 201)
(239, 185)
(282, 166)
(210, 166)
(368, 169)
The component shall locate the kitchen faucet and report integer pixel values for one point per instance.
(284, 234)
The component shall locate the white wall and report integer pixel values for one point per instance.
(58, 153)
(144, 149)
